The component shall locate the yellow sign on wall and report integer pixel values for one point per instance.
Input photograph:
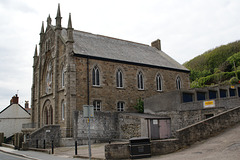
(207, 104)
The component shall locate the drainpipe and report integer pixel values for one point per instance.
(88, 80)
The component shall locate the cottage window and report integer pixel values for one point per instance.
(120, 106)
(159, 83)
(140, 81)
(119, 77)
(97, 105)
(95, 76)
(178, 83)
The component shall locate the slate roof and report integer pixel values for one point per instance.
(99, 46)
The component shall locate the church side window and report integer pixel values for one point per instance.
(120, 106)
(140, 81)
(97, 105)
(63, 110)
(178, 83)
(95, 76)
(63, 76)
(159, 83)
(119, 77)
(49, 78)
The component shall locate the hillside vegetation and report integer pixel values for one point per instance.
(220, 65)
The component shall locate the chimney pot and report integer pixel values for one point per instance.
(14, 99)
(26, 104)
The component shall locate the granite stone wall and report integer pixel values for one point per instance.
(103, 127)
(107, 126)
(108, 92)
(129, 126)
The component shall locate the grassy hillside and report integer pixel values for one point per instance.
(215, 66)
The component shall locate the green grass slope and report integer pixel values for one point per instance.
(215, 63)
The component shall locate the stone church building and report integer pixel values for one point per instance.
(73, 68)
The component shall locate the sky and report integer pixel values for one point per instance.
(186, 28)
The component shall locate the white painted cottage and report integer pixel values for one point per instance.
(12, 118)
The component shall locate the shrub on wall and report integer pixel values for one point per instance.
(139, 106)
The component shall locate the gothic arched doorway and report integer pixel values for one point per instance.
(47, 113)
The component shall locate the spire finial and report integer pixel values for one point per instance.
(35, 54)
(42, 29)
(70, 30)
(58, 18)
(69, 21)
(58, 11)
(49, 20)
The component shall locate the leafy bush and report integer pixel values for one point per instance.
(139, 106)
(217, 78)
(234, 80)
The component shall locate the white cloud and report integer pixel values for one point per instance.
(186, 28)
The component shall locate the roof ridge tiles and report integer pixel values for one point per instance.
(112, 38)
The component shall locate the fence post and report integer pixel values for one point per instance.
(52, 147)
(44, 144)
(75, 147)
(37, 143)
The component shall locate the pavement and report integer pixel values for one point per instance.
(225, 146)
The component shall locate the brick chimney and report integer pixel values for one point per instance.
(14, 99)
(26, 105)
(156, 44)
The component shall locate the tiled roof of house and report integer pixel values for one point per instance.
(99, 46)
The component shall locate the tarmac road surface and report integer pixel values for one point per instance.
(225, 146)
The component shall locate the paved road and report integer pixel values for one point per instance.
(5, 156)
(33, 155)
(225, 146)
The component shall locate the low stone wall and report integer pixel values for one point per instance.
(209, 127)
(160, 147)
(117, 151)
(48, 134)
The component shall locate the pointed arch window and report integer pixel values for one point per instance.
(119, 77)
(49, 78)
(178, 83)
(63, 110)
(63, 77)
(159, 83)
(95, 76)
(140, 81)
(51, 115)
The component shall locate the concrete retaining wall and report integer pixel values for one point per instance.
(209, 127)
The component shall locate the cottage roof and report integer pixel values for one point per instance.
(14, 110)
(99, 46)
